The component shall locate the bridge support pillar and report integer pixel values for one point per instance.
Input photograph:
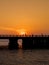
(13, 44)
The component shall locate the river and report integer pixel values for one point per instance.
(23, 57)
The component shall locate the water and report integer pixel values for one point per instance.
(24, 57)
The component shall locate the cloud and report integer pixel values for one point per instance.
(7, 28)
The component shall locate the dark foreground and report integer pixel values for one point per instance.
(24, 57)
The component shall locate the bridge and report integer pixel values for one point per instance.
(28, 42)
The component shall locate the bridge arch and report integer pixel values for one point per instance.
(20, 42)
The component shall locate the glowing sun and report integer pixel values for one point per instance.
(21, 32)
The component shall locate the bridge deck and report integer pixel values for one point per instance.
(29, 42)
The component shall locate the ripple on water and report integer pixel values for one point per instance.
(24, 57)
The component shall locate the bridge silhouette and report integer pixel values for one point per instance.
(28, 41)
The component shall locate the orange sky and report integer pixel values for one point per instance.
(30, 15)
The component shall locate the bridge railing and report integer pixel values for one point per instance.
(24, 35)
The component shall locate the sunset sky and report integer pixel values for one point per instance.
(31, 16)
